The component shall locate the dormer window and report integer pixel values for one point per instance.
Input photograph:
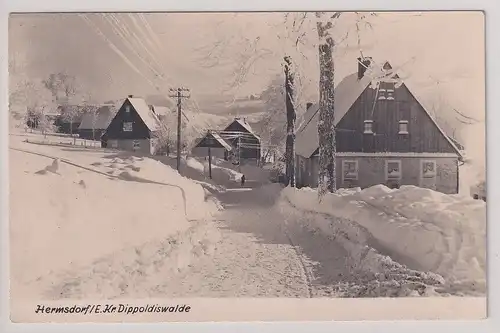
(403, 127)
(368, 127)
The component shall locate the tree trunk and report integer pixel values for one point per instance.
(290, 121)
(326, 124)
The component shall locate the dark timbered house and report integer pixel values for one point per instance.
(384, 136)
(135, 127)
(94, 124)
(246, 144)
(212, 144)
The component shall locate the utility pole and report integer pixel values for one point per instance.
(178, 93)
(239, 152)
(210, 141)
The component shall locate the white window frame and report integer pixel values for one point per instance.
(127, 108)
(125, 129)
(403, 122)
(430, 175)
(365, 130)
(390, 94)
(136, 144)
(350, 176)
(399, 175)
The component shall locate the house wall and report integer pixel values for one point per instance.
(245, 153)
(87, 134)
(372, 171)
(203, 152)
(146, 146)
(423, 135)
(139, 129)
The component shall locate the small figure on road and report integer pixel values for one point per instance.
(242, 180)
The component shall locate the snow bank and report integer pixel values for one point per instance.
(420, 228)
(62, 216)
(143, 169)
(136, 272)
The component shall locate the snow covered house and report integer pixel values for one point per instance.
(135, 127)
(384, 136)
(69, 118)
(93, 125)
(215, 143)
(245, 142)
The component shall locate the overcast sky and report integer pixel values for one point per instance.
(439, 52)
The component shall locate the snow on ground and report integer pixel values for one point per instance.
(419, 228)
(64, 216)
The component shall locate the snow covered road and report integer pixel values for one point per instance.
(258, 246)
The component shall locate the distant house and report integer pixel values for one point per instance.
(243, 139)
(160, 111)
(215, 143)
(94, 125)
(384, 135)
(67, 124)
(135, 127)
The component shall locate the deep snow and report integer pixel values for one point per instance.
(148, 231)
(419, 228)
(64, 216)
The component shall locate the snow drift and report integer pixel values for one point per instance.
(63, 216)
(419, 228)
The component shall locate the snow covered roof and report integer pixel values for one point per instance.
(161, 110)
(346, 93)
(245, 125)
(104, 115)
(148, 116)
(217, 138)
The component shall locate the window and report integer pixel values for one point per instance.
(428, 169)
(390, 94)
(136, 144)
(127, 126)
(403, 127)
(127, 109)
(381, 94)
(368, 129)
(386, 91)
(350, 170)
(113, 143)
(392, 169)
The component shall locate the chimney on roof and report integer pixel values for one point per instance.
(363, 64)
(130, 96)
(308, 105)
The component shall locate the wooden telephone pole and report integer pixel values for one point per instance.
(210, 141)
(178, 93)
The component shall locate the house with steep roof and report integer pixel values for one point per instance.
(94, 124)
(135, 127)
(384, 135)
(212, 144)
(245, 142)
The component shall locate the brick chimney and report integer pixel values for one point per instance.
(363, 63)
(130, 96)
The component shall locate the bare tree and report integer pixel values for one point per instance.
(300, 28)
(326, 124)
(64, 88)
(291, 118)
(36, 101)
